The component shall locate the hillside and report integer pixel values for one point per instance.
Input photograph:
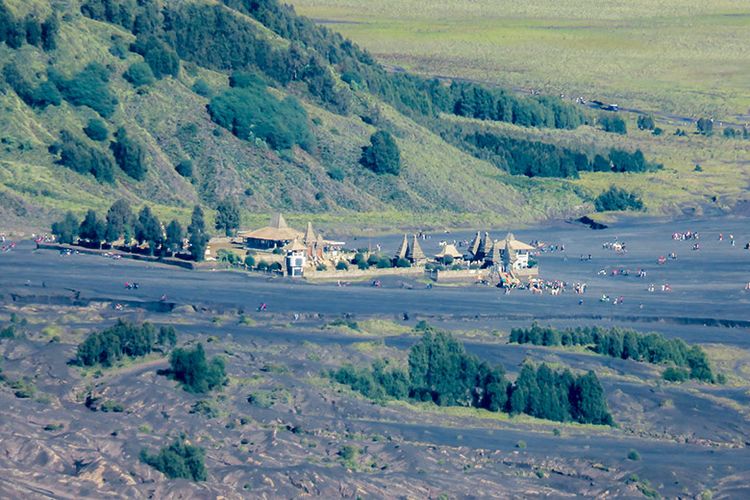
(197, 101)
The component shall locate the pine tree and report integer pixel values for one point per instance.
(198, 237)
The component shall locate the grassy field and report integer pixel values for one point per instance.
(677, 56)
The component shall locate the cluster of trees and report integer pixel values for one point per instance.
(689, 361)
(227, 217)
(250, 112)
(197, 374)
(123, 340)
(382, 155)
(129, 154)
(377, 260)
(178, 460)
(441, 371)
(121, 223)
(161, 59)
(736, 133)
(31, 30)
(541, 159)
(615, 198)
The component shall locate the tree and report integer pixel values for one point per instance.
(148, 229)
(120, 221)
(129, 155)
(705, 126)
(617, 199)
(382, 156)
(198, 238)
(589, 405)
(66, 230)
(175, 235)
(227, 217)
(178, 460)
(194, 372)
(185, 168)
(50, 31)
(613, 123)
(645, 122)
(92, 229)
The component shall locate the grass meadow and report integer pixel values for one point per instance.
(676, 56)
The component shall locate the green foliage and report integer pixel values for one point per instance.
(96, 130)
(613, 123)
(251, 112)
(197, 236)
(688, 361)
(202, 88)
(92, 228)
(174, 236)
(159, 56)
(646, 122)
(705, 126)
(441, 371)
(336, 174)
(634, 455)
(185, 168)
(342, 266)
(382, 155)
(249, 261)
(43, 95)
(15, 31)
(139, 74)
(82, 158)
(112, 344)
(120, 221)
(178, 460)
(148, 229)
(66, 230)
(167, 337)
(129, 155)
(196, 374)
(227, 217)
(617, 199)
(89, 88)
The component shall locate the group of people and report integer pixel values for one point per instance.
(617, 246)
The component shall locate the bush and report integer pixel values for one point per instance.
(44, 95)
(250, 261)
(178, 460)
(196, 374)
(336, 174)
(185, 168)
(672, 374)
(342, 266)
(617, 199)
(159, 56)
(139, 74)
(96, 130)
(129, 155)
(645, 122)
(202, 88)
(84, 159)
(382, 155)
(634, 455)
(89, 88)
(613, 123)
(403, 263)
(252, 112)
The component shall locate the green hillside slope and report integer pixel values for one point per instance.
(154, 73)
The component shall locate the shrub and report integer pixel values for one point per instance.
(96, 130)
(613, 123)
(89, 88)
(185, 168)
(252, 112)
(382, 155)
(139, 74)
(129, 155)
(645, 122)
(250, 261)
(673, 374)
(178, 460)
(336, 174)
(342, 266)
(84, 159)
(617, 199)
(634, 455)
(202, 88)
(160, 57)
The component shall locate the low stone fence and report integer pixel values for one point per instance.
(459, 275)
(364, 273)
(125, 255)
